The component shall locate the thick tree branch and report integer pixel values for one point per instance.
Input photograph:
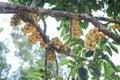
(61, 14)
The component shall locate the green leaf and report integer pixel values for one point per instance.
(62, 32)
(107, 48)
(106, 57)
(83, 24)
(66, 37)
(116, 43)
(108, 70)
(113, 47)
(83, 73)
(38, 74)
(96, 71)
(98, 51)
(40, 63)
(31, 76)
(64, 62)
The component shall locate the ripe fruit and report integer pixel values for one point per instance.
(92, 37)
(75, 29)
(116, 26)
(50, 55)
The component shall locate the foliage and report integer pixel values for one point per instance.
(79, 66)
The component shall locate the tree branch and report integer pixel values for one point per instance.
(45, 63)
(56, 67)
(45, 25)
(2, 10)
(108, 20)
(61, 14)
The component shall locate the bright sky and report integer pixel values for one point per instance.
(52, 25)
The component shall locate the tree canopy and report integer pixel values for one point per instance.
(84, 54)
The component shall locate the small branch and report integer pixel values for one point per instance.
(78, 57)
(57, 68)
(69, 75)
(45, 63)
(33, 4)
(108, 20)
(2, 10)
(45, 25)
(38, 1)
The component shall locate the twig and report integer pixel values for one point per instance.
(45, 25)
(69, 75)
(45, 63)
(38, 1)
(56, 66)
(33, 4)
(108, 20)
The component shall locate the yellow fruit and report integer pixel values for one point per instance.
(96, 29)
(87, 36)
(88, 47)
(75, 30)
(97, 33)
(57, 46)
(91, 48)
(102, 35)
(113, 27)
(92, 38)
(91, 31)
(93, 44)
(50, 56)
(116, 25)
(118, 28)
(99, 38)
(94, 35)
(65, 49)
(88, 42)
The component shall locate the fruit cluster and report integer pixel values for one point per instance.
(116, 26)
(92, 37)
(15, 20)
(30, 31)
(50, 55)
(75, 30)
(33, 35)
(56, 43)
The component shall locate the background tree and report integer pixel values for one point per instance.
(74, 16)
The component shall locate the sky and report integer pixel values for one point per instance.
(52, 30)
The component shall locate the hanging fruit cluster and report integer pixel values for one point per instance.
(56, 43)
(75, 30)
(50, 55)
(15, 20)
(116, 26)
(34, 36)
(92, 37)
(30, 31)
